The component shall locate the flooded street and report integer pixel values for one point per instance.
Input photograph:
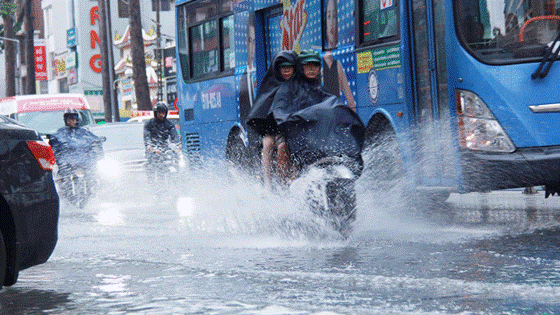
(227, 247)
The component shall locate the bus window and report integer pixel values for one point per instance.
(182, 41)
(379, 21)
(500, 31)
(227, 43)
(203, 11)
(205, 38)
(204, 48)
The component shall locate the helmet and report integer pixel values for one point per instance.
(71, 113)
(309, 56)
(160, 107)
(286, 64)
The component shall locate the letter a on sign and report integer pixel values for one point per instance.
(386, 4)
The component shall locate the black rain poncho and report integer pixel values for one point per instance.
(315, 123)
(75, 146)
(296, 95)
(158, 134)
(260, 117)
(329, 128)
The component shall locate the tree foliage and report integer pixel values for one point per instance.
(7, 8)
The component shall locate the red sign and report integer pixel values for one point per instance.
(95, 60)
(386, 4)
(40, 60)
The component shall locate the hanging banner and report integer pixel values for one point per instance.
(72, 76)
(60, 65)
(71, 60)
(40, 60)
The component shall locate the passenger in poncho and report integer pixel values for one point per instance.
(315, 123)
(260, 117)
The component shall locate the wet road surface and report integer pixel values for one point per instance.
(227, 247)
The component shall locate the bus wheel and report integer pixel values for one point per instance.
(236, 153)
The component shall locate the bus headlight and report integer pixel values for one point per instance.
(478, 128)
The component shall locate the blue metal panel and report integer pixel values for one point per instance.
(508, 90)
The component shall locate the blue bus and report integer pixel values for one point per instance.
(457, 95)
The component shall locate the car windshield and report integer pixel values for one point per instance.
(121, 137)
(48, 122)
(507, 31)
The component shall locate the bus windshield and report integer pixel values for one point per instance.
(507, 31)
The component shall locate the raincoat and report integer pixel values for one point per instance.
(75, 146)
(260, 117)
(329, 128)
(315, 123)
(157, 133)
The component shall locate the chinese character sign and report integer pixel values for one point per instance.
(40, 60)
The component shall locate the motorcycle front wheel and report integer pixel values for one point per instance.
(78, 193)
(341, 202)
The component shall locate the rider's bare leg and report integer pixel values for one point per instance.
(266, 158)
(284, 163)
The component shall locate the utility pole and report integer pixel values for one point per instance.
(108, 66)
(114, 100)
(10, 49)
(159, 54)
(29, 48)
(105, 64)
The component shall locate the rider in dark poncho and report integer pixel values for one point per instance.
(158, 133)
(260, 117)
(301, 92)
(74, 145)
(315, 123)
(262, 121)
(75, 148)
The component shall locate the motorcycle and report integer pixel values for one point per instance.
(326, 141)
(328, 184)
(77, 180)
(164, 167)
(77, 184)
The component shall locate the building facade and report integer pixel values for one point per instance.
(72, 39)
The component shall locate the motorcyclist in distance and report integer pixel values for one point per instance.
(158, 133)
(73, 145)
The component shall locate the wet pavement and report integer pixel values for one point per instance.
(227, 247)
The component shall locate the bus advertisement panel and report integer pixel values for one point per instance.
(457, 96)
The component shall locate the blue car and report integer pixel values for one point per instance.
(29, 204)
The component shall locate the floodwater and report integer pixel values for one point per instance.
(226, 246)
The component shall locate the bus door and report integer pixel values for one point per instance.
(434, 138)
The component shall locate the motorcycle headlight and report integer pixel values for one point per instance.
(343, 172)
(109, 168)
(478, 128)
(182, 163)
